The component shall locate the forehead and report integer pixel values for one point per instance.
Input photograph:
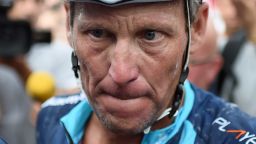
(113, 3)
(161, 8)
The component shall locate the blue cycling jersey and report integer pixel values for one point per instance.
(203, 119)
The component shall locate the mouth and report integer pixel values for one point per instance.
(124, 94)
(123, 103)
(123, 108)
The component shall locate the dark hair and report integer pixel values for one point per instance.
(194, 6)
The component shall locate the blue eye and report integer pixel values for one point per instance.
(150, 35)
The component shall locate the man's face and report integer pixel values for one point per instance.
(130, 59)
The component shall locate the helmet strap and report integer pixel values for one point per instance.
(75, 65)
(179, 93)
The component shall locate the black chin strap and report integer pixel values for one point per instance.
(179, 93)
(75, 65)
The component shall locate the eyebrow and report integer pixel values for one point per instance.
(166, 27)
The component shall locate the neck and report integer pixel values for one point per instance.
(96, 133)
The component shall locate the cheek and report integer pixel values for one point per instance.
(163, 75)
(171, 75)
(93, 67)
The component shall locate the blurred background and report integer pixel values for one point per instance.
(225, 62)
(34, 64)
(35, 59)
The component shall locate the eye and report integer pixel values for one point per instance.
(149, 35)
(98, 33)
(152, 41)
(152, 35)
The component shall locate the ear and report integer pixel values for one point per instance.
(68, 25)
(199, 27)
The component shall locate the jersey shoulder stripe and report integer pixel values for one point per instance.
(64, 100)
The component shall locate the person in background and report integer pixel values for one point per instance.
(237, 80)
(228, 14)
(52, 57)
(14, 108)
(132, 58)
(206, 62)
(15, 124)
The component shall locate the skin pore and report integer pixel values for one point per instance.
(131, 60)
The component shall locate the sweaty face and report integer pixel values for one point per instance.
(130, 59)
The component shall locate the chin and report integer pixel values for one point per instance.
(127, 126)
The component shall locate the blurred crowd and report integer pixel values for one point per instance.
(224, 64)
(34, 64)
(35, 59)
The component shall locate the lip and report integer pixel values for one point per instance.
(124, 108)
(124, 93)
(123, 101)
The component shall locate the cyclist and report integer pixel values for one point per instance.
(132, 56)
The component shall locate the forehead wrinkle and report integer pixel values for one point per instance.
(122, 11)
(114, 17)
(127, 18)
(156, 20)
(88, 16)
(163, 19)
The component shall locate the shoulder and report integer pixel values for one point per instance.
(217, 121)
(48, 120)
(58, 106)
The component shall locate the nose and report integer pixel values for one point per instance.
(123, 68)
